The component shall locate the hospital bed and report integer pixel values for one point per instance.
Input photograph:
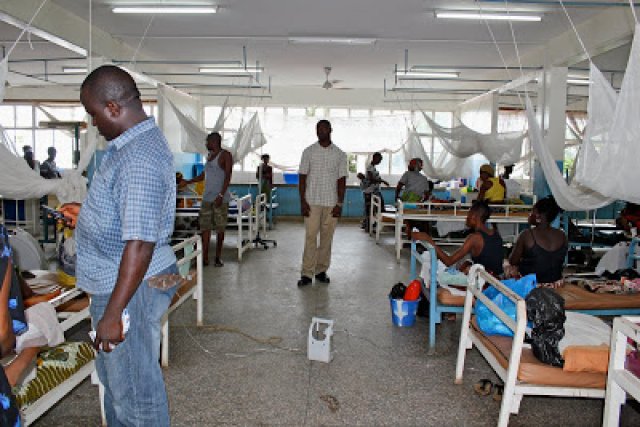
(191, 249)
(620, 381)
(516, 366)
(242, 216)
(46, 389)
(454, 212)
(442, 300)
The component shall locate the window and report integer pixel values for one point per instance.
(290, 130)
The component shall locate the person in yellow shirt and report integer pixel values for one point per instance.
(492, 189)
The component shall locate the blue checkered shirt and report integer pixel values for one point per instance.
(132, 197)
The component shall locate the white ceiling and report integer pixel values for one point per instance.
(263, 27)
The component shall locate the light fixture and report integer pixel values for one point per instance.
(409, 74)
(231, 70)
(490, 16)
(166, 9)
(333, 40)
(74, 70)
(582, 82)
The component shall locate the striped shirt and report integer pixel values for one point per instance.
(132, 197)
(323, 167)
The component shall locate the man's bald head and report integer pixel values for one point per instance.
(111, 83)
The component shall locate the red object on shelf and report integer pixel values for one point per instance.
(413, 291)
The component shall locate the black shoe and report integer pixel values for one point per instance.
(304, 281)
(322, 278)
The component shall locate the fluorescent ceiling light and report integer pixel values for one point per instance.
(231, 70)
(166, 9)
(490, 16)
(578, 82)
(426, 73)
(332, 40)
(74, 70)
(578, 76)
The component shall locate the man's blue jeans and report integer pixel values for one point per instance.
(135, 393)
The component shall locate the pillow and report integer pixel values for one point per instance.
(586, 358)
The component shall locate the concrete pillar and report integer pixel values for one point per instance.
(552, 100)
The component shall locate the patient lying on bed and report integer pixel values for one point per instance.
(541, 250)
(483, 245)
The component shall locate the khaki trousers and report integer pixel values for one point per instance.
(317, 258)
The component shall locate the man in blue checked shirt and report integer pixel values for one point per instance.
(122, 234)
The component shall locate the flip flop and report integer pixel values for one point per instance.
(498, 391)
(483, 387)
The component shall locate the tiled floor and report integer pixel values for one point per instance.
(249, 366)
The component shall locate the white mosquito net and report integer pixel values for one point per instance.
(462, 141)
(610, 157)
(445, 167)
(571, 197)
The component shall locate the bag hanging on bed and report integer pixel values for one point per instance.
(488, 322)
(545, 310)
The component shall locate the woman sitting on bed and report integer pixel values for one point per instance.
(542, 249)
(484, 245)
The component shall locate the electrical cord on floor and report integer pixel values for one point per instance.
(272, 341)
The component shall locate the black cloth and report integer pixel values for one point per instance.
(546, 265)
(49, 170)
(491, 256)
(545, 310)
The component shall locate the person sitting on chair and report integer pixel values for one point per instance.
(541, 250)
(484, 244)
(416, 186)
(492, 189)
(629, 217)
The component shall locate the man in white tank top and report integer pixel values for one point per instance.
(215, 200)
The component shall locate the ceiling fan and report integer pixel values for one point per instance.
(331, 84)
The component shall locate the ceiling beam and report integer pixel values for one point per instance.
(60, 22)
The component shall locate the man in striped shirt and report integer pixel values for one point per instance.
(323, 175)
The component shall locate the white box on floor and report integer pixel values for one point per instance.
(319, 342)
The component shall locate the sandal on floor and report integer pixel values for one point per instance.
(498, 391)
(218, 263)
(483, 387)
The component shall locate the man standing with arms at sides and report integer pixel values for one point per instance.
(123, 232)
(264, 175)
(215, 200)
(323, 176)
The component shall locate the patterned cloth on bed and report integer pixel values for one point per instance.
(55, 365)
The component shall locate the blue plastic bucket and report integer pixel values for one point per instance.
(403, 313)
(290, 178)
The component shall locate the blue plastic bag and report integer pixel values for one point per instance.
(488, 322)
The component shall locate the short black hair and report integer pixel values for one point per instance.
(111, 83)
(376, 154)
(323, 121)
(51, 150)
(215, 135)
(548, 207)
(482, 208)
(265, 156)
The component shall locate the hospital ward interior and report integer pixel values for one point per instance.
(475, 163)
